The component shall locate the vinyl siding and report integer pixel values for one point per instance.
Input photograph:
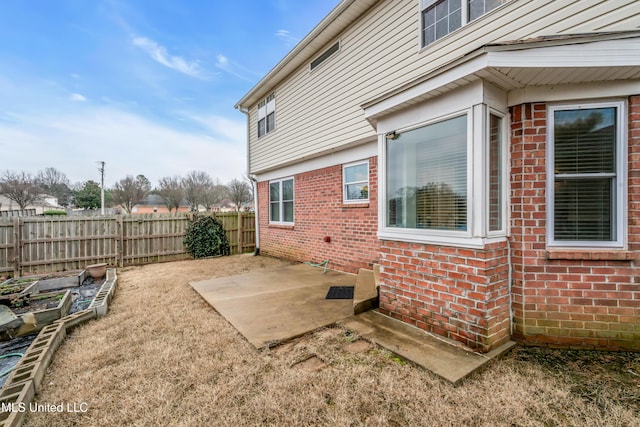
(320, 111)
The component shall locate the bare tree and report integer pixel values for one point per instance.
(21, 187)
(214, 194)
(54, 182)
(171, 190)
(129, 191)
(197, 185)
(239, 192)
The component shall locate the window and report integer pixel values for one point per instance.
(266, 115)
(426, 177)
(496, 175)
(281, 201)
(441, 17)
(355, 179)
(586, 175)
(326, 55)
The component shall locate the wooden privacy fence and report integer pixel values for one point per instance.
(44, 245)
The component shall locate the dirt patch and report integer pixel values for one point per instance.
(162, 356)
(313, 363)
(357, 346)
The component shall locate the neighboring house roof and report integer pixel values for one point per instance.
(43, 201)
(156, 200)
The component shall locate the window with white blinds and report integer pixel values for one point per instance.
(586, 174)
(426, 177)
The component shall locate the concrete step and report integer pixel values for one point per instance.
(365, 296)
(449, 361)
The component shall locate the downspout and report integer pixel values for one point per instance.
(254, 181)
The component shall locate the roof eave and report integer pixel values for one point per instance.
(330, 27)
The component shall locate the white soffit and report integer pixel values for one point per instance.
(518, 66)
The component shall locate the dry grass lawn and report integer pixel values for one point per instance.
(162, 356)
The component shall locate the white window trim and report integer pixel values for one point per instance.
(453, 238)
(621, 177)
(266, 107)
(280, 201)
(425, 4)
(505, 171)
(345, 200)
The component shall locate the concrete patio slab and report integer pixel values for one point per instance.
(271, 306)
(447, 360)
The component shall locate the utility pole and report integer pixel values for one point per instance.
(101, 170)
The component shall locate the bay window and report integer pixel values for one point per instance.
(426, 179)
(444, 181)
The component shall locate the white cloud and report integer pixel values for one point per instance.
(78, 97)
(287, 38)
(160, 54)
(128, 143)
(230, 130)
(235, 69)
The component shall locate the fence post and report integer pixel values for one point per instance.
(17, 248)
(121, 242)
(240, 232)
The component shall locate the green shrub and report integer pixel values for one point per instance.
(55, 213)
(205, 237)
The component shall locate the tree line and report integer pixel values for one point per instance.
(197, 188)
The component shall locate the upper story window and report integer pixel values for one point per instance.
(441, 17)
(267, 115)
(355, 181)
(586, 176)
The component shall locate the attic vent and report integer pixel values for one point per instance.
(327, 53)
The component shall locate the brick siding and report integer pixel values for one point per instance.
(579, 298)
(462, 294)
(574, 298)
(319, 212)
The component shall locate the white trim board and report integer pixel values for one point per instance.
(349, 155)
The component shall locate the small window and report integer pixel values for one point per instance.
(266, 115)
(325, 55)
(586, 175)
(496, 175)
(281, 201)
(355, 180)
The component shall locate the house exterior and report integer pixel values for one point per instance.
(43, 203)
(486, 153)
(154, 203)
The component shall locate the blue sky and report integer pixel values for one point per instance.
(148, 86)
